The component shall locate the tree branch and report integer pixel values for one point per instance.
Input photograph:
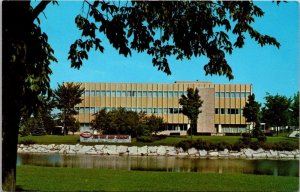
(39, 8)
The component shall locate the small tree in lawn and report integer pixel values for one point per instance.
(154, 124)
(67, 96)
(251, 112)
(191, 105)
(276, 110)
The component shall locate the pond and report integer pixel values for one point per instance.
(165, 163)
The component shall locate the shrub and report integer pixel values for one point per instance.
(246, 139)
(239, 145)
(286, 146)
(255, 145)
(204, 145)
(144, 139)
(262, 138)
(27, 142)
(185, 144)
(223, 145)
(267, 146)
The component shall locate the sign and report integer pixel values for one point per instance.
(86, 134)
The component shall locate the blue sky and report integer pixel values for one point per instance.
(269, 69)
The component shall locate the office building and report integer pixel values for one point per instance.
(222, 108)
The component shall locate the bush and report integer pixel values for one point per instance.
(255, 145)
(223, 145)
(27, 142)
(285, 146)
(144, 139)
(185, 145)
(239, 145)
(246, 139)
(262, 138)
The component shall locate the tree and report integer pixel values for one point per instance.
(66, 97)
(191, 106)
(276, 110)
(251, 111)
(154, 124)
(295, 110)
(161, 29)
(72, 124)
(100, 121)
(25, 75)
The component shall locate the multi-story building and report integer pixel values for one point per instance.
(222, 109)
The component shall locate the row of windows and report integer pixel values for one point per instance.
(112, 93)
(146, 110)
(232, 94)
(230, 111)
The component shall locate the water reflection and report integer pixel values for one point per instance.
(162, 163)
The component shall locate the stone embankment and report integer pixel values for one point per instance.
(155, 151)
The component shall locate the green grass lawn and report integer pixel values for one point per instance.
(35, 178)
(170, 141)
(51, 139)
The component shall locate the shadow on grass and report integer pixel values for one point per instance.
(19, 188)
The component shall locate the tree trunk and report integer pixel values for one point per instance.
(16, 20)
(10, 126)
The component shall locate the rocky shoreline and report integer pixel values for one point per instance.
(155, 151)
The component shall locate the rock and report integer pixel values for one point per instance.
(182, 154)
(248, 152)
(259, 155)
(213, 153)
(92, 152)
(122, 150)
(286, 154)
(99, 147)
(84, 149)
(133, 150)
(193, 152)
(152, 150)
(272, 154)
(110, 150)
(202, 153)
(224, 153)
(143, 150)
(161, 150)
(172, 151)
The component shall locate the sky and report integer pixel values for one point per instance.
(267, 68)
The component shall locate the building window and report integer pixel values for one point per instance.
(217, 94)
(216, 111)
(107, 94)
(159, 94)
(227, 94)
(222, 94)
(139, 93)
(144, 93)
(222, 111)
(87, 93)
(238, 94)
(243, 95)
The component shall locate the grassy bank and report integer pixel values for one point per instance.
(171, 141)
(34, 178)
(51, 139)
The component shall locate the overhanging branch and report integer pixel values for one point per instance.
(39, 8)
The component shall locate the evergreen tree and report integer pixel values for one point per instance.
(191, 105)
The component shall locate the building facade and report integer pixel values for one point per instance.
(222, 108)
